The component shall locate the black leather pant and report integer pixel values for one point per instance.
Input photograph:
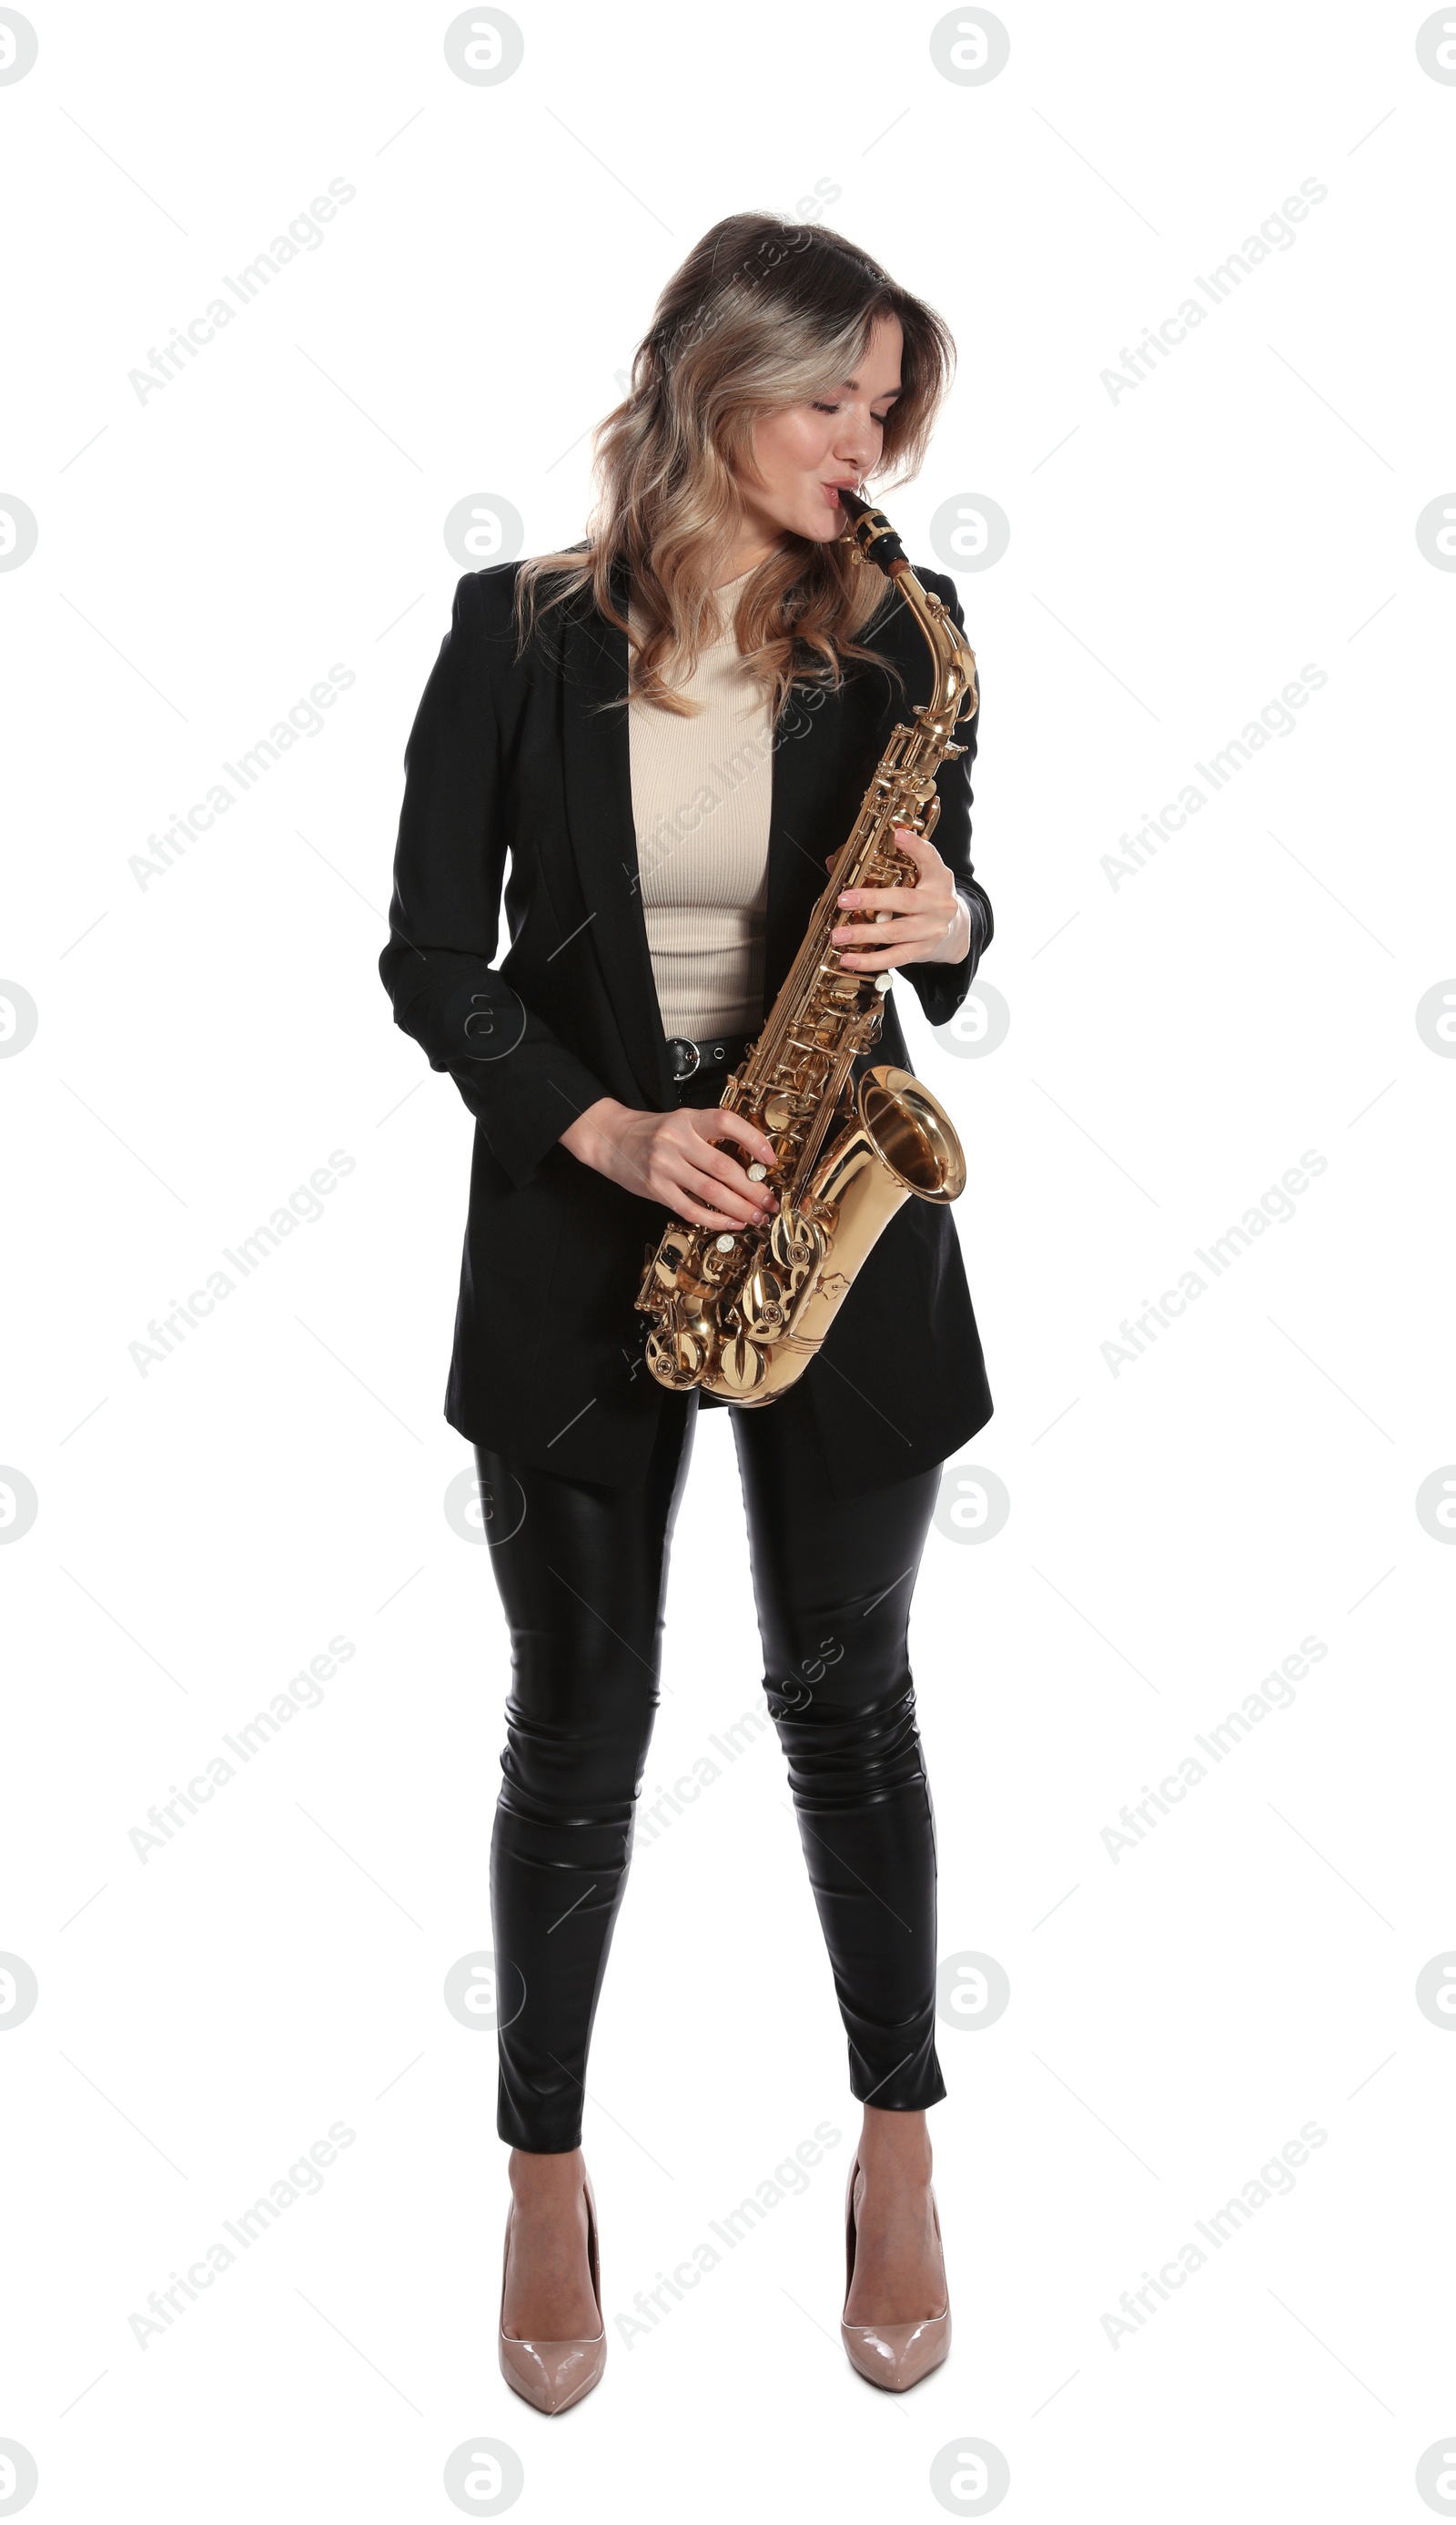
(582, 1574)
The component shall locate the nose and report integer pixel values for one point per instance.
(855, 443)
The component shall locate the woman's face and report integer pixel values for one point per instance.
(802, 452)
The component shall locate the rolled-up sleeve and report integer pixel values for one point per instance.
(522, 1082)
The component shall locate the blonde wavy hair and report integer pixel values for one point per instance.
(760, 315)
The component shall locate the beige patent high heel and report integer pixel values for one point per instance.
(552, 2374)
(894, 2355)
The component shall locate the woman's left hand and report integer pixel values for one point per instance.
(927, 924)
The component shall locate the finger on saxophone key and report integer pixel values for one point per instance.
(768, 1198)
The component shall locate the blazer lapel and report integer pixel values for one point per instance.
(805, 765)
(597, 768)
(596, 771)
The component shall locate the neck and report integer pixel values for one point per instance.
(753, 543)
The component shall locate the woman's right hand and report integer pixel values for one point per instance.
(669, 1157)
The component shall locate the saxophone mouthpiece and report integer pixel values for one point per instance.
(873, 533)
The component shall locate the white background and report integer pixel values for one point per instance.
(1177, 1041)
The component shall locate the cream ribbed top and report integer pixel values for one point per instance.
(702, 791)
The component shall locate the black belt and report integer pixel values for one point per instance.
(717, 1052)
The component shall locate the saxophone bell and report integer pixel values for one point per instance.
(898, 1141)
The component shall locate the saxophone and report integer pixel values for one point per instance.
(744, 1314)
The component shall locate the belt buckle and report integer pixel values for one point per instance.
(680, 1044)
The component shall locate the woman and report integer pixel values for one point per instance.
(669, 730)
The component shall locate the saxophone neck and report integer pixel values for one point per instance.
(955, 694)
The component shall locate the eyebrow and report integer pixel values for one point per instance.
(852, 384)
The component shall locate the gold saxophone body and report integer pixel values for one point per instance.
(744, 1314)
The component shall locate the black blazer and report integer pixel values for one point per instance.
(519, 756)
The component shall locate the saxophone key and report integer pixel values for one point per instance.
(762, 1305)
(742, 1364)
(675, 1359)
(794, 1243)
